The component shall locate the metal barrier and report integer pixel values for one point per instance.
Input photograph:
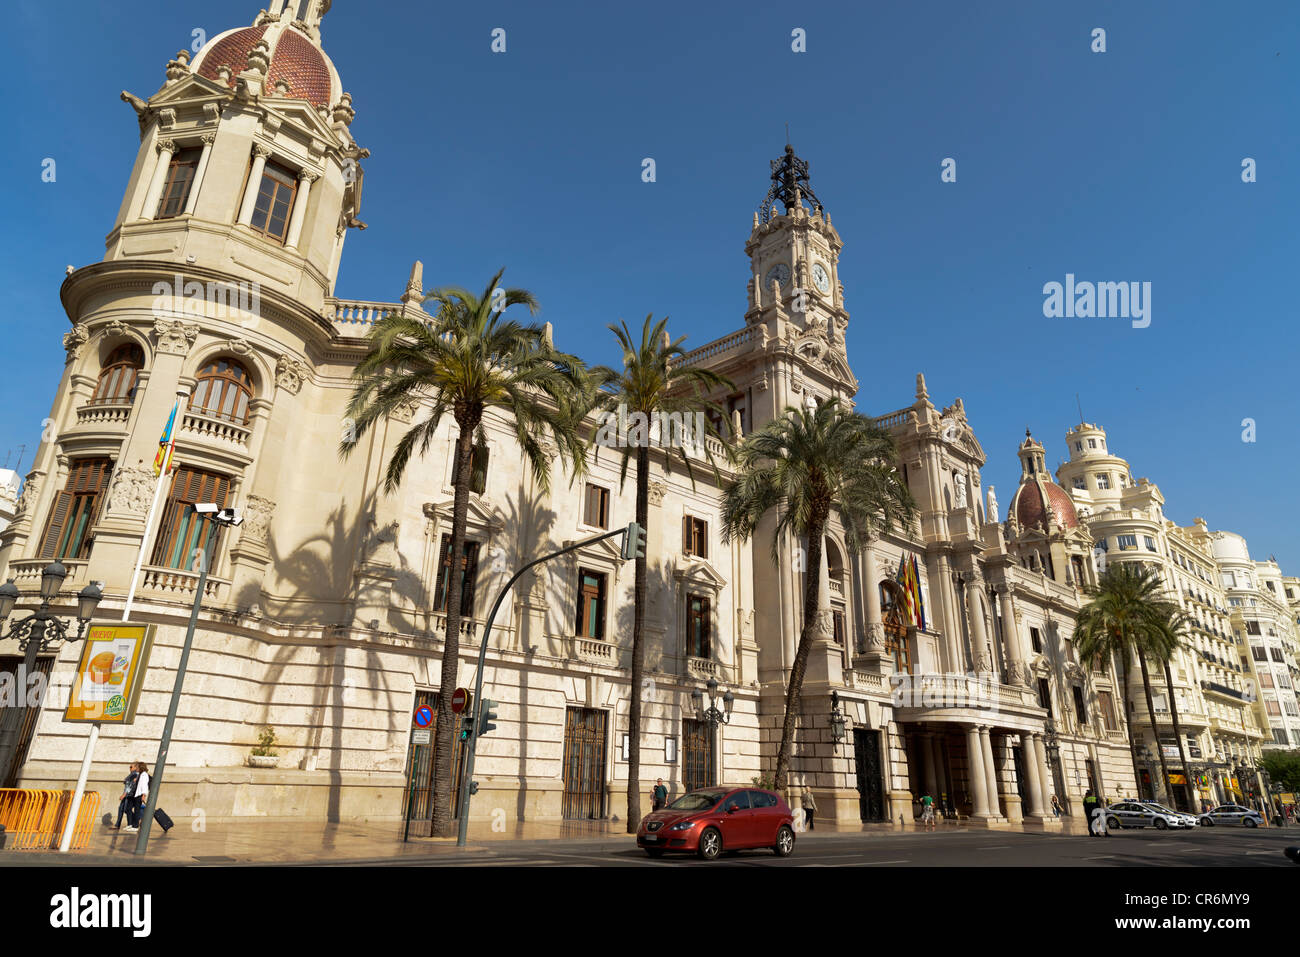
(34, 819)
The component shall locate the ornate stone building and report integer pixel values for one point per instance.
(324, 613)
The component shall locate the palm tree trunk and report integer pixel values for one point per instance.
(1128, 719)
(1178, 733)
(811, 600)
(445, 745)
(1163, 794)
(638, 646)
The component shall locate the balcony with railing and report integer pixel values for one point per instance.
(179, 584)
(26, 574)
(354, 317)
(104, 415)
(468, 626)
(217, 431)
(719, 346)
(593, 651)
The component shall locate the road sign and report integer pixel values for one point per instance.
(423, 716)
(420, 736)
(458, 700)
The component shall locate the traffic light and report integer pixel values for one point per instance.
(487, 716)
(634, 541)
(466, 725)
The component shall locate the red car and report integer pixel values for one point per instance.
(711, 820)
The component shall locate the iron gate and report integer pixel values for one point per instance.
(584, 763)
(866, 756)
(697, 754)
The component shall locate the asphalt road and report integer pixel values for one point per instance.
(1200, 847)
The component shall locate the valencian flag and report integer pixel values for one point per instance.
(166, 443)
(909, 577)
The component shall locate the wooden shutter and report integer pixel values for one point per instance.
(600, 607)
(440, 583)
(686, 534)
(54, 528)
(470, 564)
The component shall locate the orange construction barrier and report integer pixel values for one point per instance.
(33, 819)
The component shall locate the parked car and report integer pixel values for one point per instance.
(1232, 814)
(710, 820)
(1137, 814)
(1189, 820)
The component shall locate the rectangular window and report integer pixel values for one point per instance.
(595, 510)
(183, 532)
(837, 626)
(1103, 480)
(1078, 446)
(1045, 696)
(1252, 628)
(468, 565)
(1092, 443)
(1126, 542)
(1259, 653)
(695, 537)
(274, 201)
(1107, 709)
(1265, 680)
(697, 626)
(1276, 654)
(75, 509)
(1080, 483)
(1080, 710)
(1149, 542)
(180, 177)
(1273, 708)
(1036, 640)
(591, 604)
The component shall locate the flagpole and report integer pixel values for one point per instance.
(65, 843)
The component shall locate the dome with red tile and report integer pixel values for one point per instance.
(295, 60)
(1028, 505)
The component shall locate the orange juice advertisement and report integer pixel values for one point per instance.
(110, 672)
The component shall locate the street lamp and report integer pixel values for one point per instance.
(35, 634)
(712, 714)
(837, 718)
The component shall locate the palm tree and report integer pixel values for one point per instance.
(465, 359)
(1129, 616)
(654, 384)
(806, 464)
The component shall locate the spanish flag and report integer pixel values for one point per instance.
(166, 443)
(909, 577)
(918, 600)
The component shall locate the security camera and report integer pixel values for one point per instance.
(222, 516)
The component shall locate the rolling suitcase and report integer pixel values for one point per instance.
(164, 821)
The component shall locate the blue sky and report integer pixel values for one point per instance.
(1115, 166)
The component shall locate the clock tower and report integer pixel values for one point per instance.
(794, 292)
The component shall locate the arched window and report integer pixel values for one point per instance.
(117, 379)
(894, 617)
(224, 391)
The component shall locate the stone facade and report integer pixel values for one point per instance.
(321, 615)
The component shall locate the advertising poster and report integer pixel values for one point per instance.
(114, 657)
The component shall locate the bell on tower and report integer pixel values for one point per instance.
(790, 186)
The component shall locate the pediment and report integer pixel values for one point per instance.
(478, 515)
(192, 87)
(698, 571)
(610, 549)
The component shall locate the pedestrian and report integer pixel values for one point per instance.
(927, 811)
(126, 803)
(1056, 805)
(1092, 813)
(141, 794)
(809, 806)
(660, 796)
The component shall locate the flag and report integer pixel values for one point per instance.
(920, 600)
(910, 579)
(166, 443)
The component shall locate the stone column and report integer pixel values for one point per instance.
(875, 635)
(305, 179)
(979, 786)
(927, 759)
(166, 149)
(941, 778)
(990, 771)
(193, 199)
(1045, 774)
(979, 638)
(1033, 784)
(1012, 640)
(260, 154)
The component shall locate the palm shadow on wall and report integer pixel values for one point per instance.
(320, 572)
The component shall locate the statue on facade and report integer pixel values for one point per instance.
(959, 489)
(992, 506)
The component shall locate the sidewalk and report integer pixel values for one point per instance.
(282, 842)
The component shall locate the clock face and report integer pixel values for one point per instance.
(821, 278)
(779, 273)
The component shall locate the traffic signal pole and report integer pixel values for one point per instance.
(633, 540)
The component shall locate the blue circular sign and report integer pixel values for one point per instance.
(423, 716)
